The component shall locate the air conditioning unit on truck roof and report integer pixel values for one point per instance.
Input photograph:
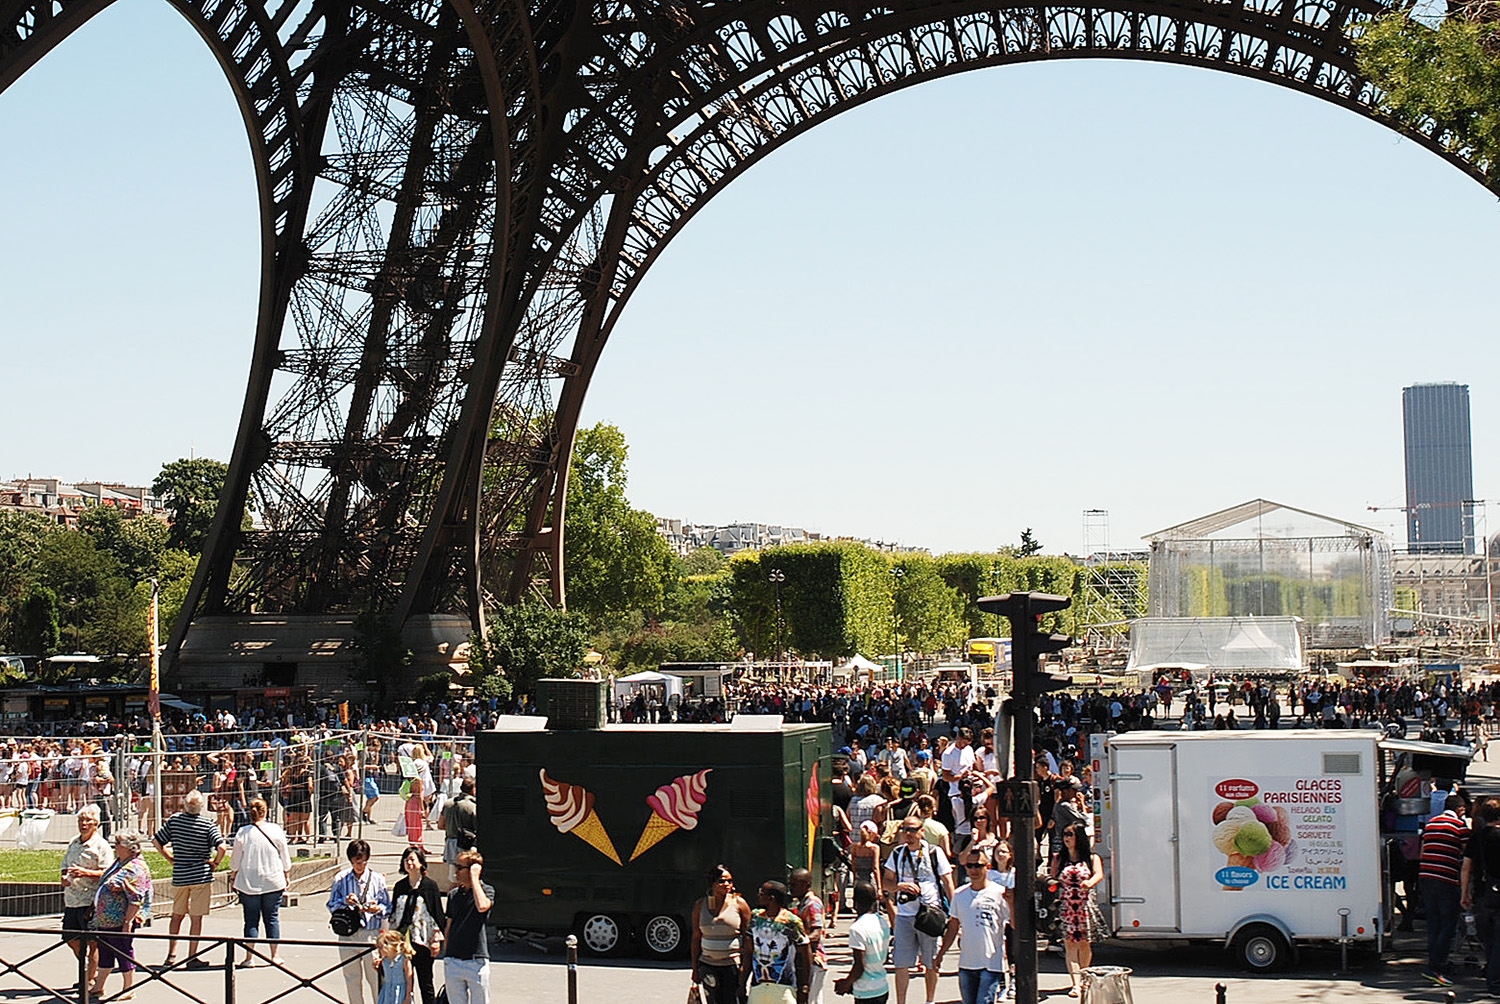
(1259, 840)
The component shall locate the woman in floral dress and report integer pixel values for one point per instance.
(121, 904)
(1077, 869)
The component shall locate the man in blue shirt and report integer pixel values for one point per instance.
(363, 888)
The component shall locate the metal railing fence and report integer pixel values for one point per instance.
(40, 964)
(322, 788)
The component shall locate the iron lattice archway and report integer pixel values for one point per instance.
(458, 199)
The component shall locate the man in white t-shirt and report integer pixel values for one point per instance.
(919, 873)
(958, 760)
(869, 941)
(894, 757)
(980, 912)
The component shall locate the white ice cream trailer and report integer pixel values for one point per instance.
(1259, 840)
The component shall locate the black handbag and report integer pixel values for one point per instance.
(348, 919)
(345, 921)
(931, 920)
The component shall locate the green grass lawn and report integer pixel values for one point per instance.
(46, 865)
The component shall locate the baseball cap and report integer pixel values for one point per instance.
(923, 756)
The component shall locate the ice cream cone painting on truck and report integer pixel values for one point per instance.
(674, 807)
(571, 809)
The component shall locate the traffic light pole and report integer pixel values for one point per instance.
(1027, 646)
(1023, 831)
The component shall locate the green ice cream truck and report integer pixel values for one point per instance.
(609, 831)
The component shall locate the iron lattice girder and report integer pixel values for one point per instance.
(442, 267)
(659, 120)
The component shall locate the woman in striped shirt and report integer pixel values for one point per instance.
(721, 940)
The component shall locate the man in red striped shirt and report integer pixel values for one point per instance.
(1443, 842)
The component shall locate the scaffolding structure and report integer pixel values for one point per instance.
(1265, 559)
(1113, 586)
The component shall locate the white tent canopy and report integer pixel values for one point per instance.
(858, 664)
(668, 685)
(1217, 644)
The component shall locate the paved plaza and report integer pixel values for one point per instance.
(1178, 975)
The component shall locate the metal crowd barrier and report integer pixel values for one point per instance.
(150, 784)
(30, 968)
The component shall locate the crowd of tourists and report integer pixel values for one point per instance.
(927, 864)
(183, 729)
(389, 935)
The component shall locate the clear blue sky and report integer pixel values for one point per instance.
(1163, 290)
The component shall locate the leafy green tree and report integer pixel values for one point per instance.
(1448, 73)
(528, 642)
(174, 574)
(37, 631)
(703, 561)
(118, 623)
(21, 538)
(1029, 544)
(613, 557)
(993, 573)
(137, 544)
(191, 490)
(835, 599)
(100, 610)
(928, 611)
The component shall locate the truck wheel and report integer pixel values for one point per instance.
(603, 935)
(1261, 948)
(663, 937)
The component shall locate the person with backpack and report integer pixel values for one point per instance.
(1479, 885)
(459, 823)
(919, 873)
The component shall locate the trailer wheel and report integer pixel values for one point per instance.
(1261, 948)
(664, 937)
(603, 935)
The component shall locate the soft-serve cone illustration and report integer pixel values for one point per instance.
(571, 809)
(674, 807)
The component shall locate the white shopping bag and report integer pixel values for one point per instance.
(34, 828)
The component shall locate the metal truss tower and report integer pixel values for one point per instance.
(1113, 585)
(458, 198)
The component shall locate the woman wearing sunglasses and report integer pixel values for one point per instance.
(1077, 869)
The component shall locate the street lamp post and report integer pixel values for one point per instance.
(995, 585)
(776, 578)
(897, 574)
(1489, 579)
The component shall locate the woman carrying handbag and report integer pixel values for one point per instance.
(260, 871)
(417, 912)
